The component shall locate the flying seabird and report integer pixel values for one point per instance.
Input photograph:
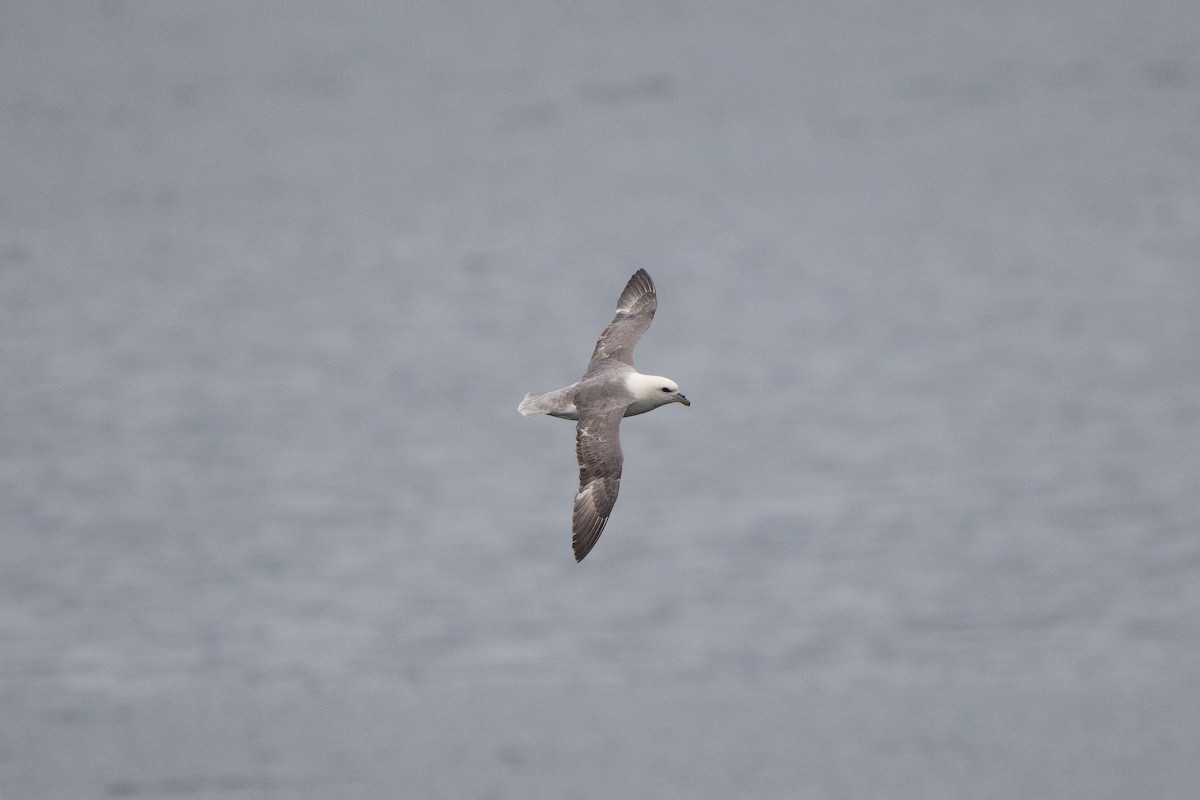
(610, 389)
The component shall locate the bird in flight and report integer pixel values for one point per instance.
(609, 390)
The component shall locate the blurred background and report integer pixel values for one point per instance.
(274, 276)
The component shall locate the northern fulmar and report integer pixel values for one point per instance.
(610, 389)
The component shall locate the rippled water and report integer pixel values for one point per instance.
(273, 280)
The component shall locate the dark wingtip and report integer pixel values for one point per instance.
(582, 547)
(642, 278)
(583, 541)
(638, 286)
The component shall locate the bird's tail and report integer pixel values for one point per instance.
(528, 406)
(559, 403)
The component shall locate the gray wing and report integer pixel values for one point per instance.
(635, 311)
(598, 448)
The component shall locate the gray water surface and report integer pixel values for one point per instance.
(273, 279)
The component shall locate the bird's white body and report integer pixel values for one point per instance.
(648, 392)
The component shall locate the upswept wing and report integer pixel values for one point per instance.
(635, 311)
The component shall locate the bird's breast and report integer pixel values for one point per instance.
(642, 406)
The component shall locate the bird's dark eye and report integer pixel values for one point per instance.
(666, 388)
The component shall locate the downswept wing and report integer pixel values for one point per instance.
(598, 449)
(635, 311)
